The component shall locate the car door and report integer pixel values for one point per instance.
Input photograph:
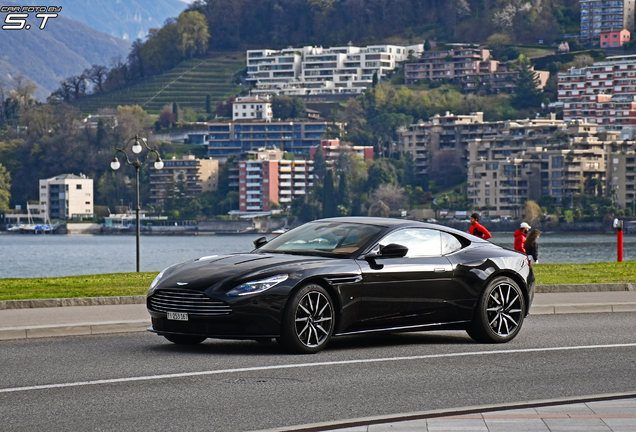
(410, 290)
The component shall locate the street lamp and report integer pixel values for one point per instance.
(137, 148)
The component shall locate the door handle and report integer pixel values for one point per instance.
(440, 270)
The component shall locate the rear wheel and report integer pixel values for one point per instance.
(185, 339)
(308, 321)
(500, 312)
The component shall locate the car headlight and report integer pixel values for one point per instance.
(154, 283)
(257, 286)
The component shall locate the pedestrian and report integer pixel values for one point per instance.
(532, 249)
(477, 229)
(520, 237)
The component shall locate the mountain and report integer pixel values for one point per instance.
(125, 19)
(64, 48)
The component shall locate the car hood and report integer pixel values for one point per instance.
(223, 272)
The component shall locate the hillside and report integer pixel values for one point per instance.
(64, 48)
(127, 20)
(188, 84)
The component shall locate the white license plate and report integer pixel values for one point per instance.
(178, 316)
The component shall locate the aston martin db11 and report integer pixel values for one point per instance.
(343, 276)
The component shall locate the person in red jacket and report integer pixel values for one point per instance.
(476, 228)
(520, 237)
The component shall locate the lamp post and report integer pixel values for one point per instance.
(137, 148)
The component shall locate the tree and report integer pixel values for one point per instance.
(285, 107)
(97, 75)
(427, 45)
(5, 188)
(328, 198)
(344, 193)
(320, 163)
(208, 104)
(375, 80)
(527, 93)
(193, 33)
(175, 111)
(390, 194)
(532, 213)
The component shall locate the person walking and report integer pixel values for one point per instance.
(477, 229)
(532, 249)
(520, 237)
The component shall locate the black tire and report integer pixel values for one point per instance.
(185, 339)
(308, 320)
(500, 312)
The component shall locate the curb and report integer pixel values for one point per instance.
(445, 412)
(567, 288)
(76, 301)
(73, 329)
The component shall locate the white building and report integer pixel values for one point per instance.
(259, 108)
(318, 71)
(67, 195)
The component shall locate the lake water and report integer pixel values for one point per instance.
(24, 256)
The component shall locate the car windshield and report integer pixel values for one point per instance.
(323, 238)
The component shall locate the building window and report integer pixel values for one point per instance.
(79, 186)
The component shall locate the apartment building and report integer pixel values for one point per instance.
(502, 178)
(263, 183)
(334, 147)
(323, 71)
(614, 38)
(198, 175)
(66, 196)
(622, 175)
(252, 108)
(445, 139)
(598, 16)
(471, 68)
(603, 92)
(234, 138)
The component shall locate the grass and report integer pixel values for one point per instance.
(588, 273)
(126, 284)
(100, 285)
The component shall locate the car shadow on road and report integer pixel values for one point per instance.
(340, 343)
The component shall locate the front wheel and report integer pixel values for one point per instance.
(185, 339)
(500, 312)
(308, 320)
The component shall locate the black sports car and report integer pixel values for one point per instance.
(343, 276)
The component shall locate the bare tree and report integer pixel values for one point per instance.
(97, 75)
(23, 89)
(78, 85)
(390, 194)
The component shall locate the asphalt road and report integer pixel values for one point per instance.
(139, 381)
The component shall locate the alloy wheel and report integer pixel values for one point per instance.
(504, 309)
(313, 320)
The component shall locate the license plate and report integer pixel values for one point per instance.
(178, 316)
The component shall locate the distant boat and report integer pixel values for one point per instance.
(280, 231)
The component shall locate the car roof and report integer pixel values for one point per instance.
(391, 223)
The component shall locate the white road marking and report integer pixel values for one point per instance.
(304, 365)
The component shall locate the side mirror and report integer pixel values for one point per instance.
(260, 242)
(393, 251)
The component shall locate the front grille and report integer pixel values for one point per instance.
(191, 302)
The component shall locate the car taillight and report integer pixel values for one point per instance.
(529, 262)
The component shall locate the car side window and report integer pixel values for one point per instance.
(450, 244)
(421, 242)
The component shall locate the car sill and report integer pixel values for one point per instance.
(413, 327)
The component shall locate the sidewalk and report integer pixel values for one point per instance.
(98, 319)
(608, 413)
